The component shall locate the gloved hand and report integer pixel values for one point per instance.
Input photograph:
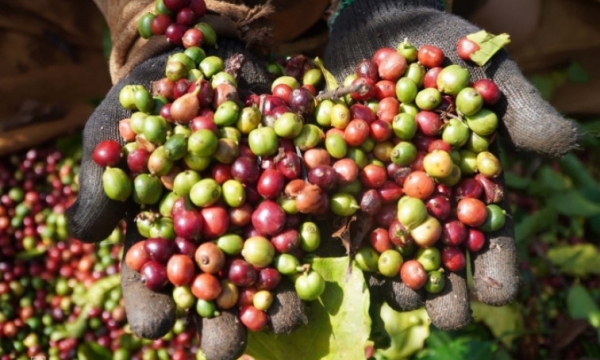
(93, 216)
(138, 61)
(359, 28)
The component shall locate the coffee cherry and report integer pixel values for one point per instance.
(310, 285)
(389, 263)
(206, 287)
(209, 258)
(154, 275)
(175, 5)
(186, 16)
(453, 258)
(160, 23)
(413, 274)
(107, 153)
(435, 282)
(488, 90)
(253, 318)
(199, 7)
(174, 33)
(430, 56)
(191, 38)
(180, 270)
(465, 47)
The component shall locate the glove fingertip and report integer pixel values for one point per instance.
(450, 309)
(495, 272)
(287, 311)
(495, 266)
(223, 337)
(93, 216)
(150, 314)
(402, 298)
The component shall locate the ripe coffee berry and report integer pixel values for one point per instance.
(107, 153)
(430, 56)
(160, 23)
(466, 47)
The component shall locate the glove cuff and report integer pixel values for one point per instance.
(351, 10)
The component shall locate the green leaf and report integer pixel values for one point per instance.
(591, 193)
(489, 45)
(407, 330)
(93, 351)
(97, 292)
(76, 328)
(590, 126)
(442, 346)
(73, 329)
(573, 203)
(538, 221)
(581, 305)
(575, 260)
(594, 223)
(70, 146)
(514, 181)
(552, 180)
(505, 322)
(577, 74)
(575, 169)
(338, 322)
(330, 81)
(30, 254)
(548, 83)
(130, 342)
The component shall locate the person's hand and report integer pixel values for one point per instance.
(531, 124)
(93, 216)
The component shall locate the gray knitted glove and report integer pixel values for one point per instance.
(359, 28)
(93, 216)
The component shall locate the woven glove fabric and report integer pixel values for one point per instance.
(360, 28)
(93, 216)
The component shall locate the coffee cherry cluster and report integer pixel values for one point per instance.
(228, 182)
(211, 180)
(430, 178)
(178, 20)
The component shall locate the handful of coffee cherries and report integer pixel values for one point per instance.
(232, 185)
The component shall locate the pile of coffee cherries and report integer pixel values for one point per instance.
(213, 185)
(59, 296)
(178, 20)
(229, 183)
(428, 177)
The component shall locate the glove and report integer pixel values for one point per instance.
(361, 27)
(94, 215)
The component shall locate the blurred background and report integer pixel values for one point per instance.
(54, 72)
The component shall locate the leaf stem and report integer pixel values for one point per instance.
(341, 91)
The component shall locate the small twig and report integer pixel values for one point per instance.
(337, 93)
(447, 114)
